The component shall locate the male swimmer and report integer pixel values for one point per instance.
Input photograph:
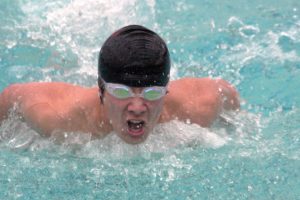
(133, 94)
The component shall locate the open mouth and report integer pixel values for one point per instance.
(136, 127)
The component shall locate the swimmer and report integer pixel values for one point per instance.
(133, 94)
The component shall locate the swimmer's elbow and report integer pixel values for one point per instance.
(229, 95)
(232, 102)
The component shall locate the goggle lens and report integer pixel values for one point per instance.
(153, 94)
(123, 92)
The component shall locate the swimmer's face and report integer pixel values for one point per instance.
(132, 118)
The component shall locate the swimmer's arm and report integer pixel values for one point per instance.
(40, 115)
(201, 107)
(217, 96)
(43, 118)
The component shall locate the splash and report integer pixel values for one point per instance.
(269, 47)
(80, 27)
(15, 134)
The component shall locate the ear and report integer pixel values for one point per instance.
(101, 89)
(101, 95)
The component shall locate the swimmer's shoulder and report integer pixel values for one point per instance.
(185, 89)
(53, 93)
(60, 88)
(192, 82)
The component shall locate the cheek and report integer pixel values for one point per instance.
(113, 107)
(156, 108)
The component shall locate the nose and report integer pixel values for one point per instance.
(137, 106)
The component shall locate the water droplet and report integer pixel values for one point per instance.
(11, 44)
(250, 188)
(188, 121)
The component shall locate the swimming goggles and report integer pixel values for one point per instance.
(123, 92)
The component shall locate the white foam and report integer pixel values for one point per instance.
(165, 137)
(15, 134)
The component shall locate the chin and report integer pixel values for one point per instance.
(133, 142)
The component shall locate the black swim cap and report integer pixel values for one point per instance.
(134, 56)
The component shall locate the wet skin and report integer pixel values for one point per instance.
(61, 107)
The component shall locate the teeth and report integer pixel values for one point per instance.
(135, 124)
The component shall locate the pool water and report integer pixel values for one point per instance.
(255, 45)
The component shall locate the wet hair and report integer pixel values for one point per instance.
(134, 56)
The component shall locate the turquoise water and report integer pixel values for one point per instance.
(253, 44)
